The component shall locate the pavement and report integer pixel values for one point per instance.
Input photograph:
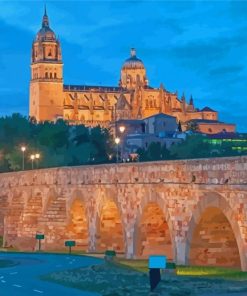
(23, 279)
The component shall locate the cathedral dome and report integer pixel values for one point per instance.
(45, 33)
(133, 62)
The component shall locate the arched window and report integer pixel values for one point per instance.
(55, 75)
(50, 75)
(46, 74)
(210, 130)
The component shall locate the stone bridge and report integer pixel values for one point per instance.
(193, 211)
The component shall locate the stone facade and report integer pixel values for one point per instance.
(194, 211)
(133, 98)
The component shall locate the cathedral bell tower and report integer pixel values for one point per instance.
(46, 85)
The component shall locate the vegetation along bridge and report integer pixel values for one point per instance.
(193, 211)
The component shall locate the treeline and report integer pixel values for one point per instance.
(61, 144)
(58, 144)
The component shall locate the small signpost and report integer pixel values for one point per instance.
(70, 244)
(39, 237)
(156, 262)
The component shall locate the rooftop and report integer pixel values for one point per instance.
(160, 115)
(208, 109)
(92, 87)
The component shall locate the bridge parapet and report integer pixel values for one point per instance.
(231, 170)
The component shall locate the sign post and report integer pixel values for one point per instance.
(70, 244)
(39, 237)
(156, 262)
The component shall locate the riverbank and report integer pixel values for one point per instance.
(130, 278)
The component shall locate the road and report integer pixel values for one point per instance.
(23, 279)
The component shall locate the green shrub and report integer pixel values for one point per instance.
(110, 253)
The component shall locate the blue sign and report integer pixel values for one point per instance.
(157, 261)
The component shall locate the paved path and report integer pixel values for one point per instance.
(23, 279)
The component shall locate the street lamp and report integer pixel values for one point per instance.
(32, 157)
(117, 141)
(122, 129)
(37, 157)
(23, 149)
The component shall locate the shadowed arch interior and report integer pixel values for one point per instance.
(153, 235)
(77, 228)
(213, 241)
(110, 235)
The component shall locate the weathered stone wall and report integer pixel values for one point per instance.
(42, 201)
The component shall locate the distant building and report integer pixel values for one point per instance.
(235, 141)
(161, 125)
(207, 126)
(159, 128)
(132, 99)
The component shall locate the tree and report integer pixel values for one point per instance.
(193, 147)
(58, 143)
(192, 126)
(155, 151)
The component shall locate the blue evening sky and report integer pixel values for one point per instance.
(195, 47)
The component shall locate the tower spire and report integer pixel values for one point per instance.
(45, 21)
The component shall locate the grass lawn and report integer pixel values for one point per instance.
(206, 271)
(124, 277)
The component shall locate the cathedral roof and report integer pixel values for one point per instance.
(91, 88)
(45, 33)
(133, 62)
(207, 109)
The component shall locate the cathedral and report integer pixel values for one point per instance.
(133, 98)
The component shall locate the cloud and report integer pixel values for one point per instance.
(227, 70)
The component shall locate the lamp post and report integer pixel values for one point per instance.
(117, 141)
(32, 157)
(122, 129)
(37, 157)
(23, 149)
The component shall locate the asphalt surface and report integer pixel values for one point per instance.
(23, 279)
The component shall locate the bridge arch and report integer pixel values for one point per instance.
(110, 230)
(77, 227)
(153, 231)
(213, 227)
